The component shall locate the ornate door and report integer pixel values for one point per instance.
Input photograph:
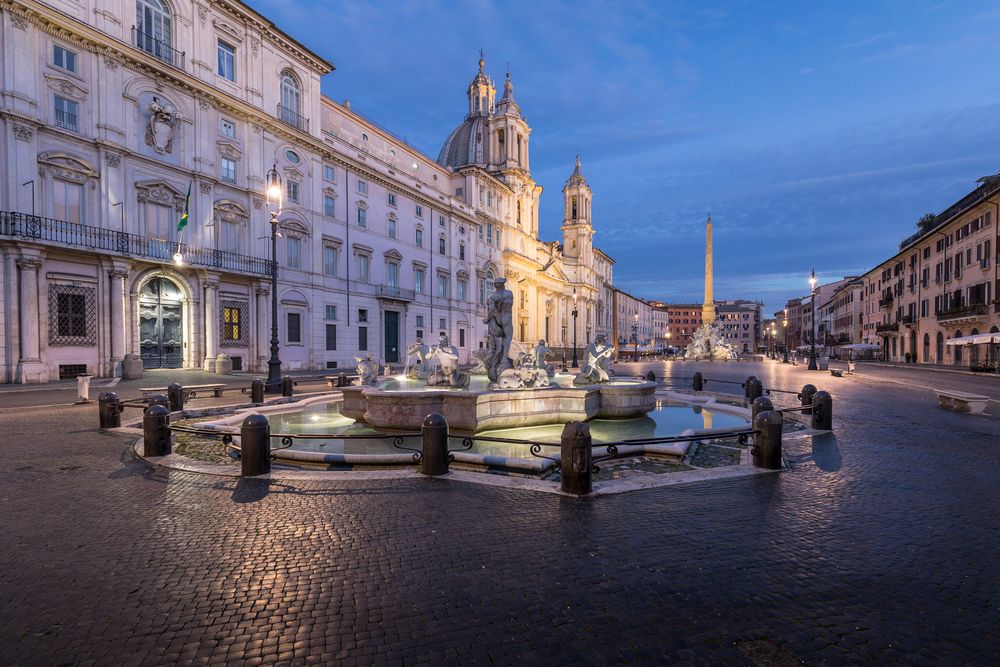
(161, 334)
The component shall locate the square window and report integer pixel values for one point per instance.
(231, 324)
(64, 58)
(331, 312)
(294, 327)
(420, 321)
(227, 61)
(67, 113)
(363, 187)
(419, 211)
(362, 314)
(329, 206)
(227, 170)
(329, 173)
(441, 324)
(227, 128)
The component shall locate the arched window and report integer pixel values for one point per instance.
(958, 349)
(153, 28)
(927, 348)
(940, 348)
(291, 99)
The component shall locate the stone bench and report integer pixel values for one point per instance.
(962, 401)
(216, 389)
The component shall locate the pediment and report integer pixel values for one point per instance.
(65, 86)
(229, 149)
(64, 162)
(230, 211)
(392, 254)
(228, 29)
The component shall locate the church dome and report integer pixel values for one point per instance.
(466, 144)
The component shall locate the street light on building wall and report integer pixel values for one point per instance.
(812, 324)
(576, 361)
(274, 196)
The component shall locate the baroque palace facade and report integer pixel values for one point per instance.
(115, 116)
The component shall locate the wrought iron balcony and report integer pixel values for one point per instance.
(395, 293)
(157, 48)
(99, 239)
(887, 328)
(906, 319)
(67, 120)
(968, 311)
(885, 301)
(291, 117)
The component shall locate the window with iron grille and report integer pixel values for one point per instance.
(72, 315)
(233, 318)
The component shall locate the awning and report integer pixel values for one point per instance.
(860, 346)
(978, 339)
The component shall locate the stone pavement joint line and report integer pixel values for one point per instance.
(876, 547)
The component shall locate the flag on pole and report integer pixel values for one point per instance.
(182, 223)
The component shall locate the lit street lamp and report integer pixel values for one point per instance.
(812, 324)
(785, 361)
(576, 362)
(274, 193)
(635, 337)
(669, 349)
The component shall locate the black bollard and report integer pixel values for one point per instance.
(434, 445)
(255, 446)
(746, 388)
(698, 382)
(158, 399)
(287, 386)
(257, 391)
(175, 397)
(576, 459)
(806, 396)
(759, 405)
(766, 450)
(822, 411)
(156, 438)
(754, 389)
(651, 376)
(109, 410)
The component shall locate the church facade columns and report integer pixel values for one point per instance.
(30, 369)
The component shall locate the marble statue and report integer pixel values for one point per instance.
(541, 352)
(482, 357)
(597, 360)
(367, 369)
(500, 328)
(447, 373)
(708, 344)
(162, 127)
(419, 370)
(525, 374)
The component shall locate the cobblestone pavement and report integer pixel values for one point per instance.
(879, 546)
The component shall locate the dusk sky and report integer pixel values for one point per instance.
(815, 133)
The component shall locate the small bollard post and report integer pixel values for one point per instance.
(434, 445)
(698, 383)
(754, 389)
(158, 399)
(651, 376)
(287, 386)
(175, 397)
(746, 388)
(576, 459)
(822, 411)
(759, 405)
(109, 410)
(156, 438)
(766, 450)
(342, 380)
(83, 388)
(255, 446)
(806, 396)
(257, 391)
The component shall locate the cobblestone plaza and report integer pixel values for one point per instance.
(877, 546)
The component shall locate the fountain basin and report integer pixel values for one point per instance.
(474, 411)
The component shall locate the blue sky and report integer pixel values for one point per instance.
(815, 132)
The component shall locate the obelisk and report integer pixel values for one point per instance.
(708, 308)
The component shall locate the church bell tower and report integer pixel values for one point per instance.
(576, 228)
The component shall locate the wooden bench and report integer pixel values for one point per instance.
(962, 401)
(216, 389)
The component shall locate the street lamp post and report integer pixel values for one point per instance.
(774, 343)
(669, 350)
(812, 324)
(576, 362)
(635, 337)
(785, 360)
(274, 193)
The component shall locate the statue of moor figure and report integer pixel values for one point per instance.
(500, 328)
(596, 360)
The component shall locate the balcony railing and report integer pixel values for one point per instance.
(291, 117)
(962, 312)
(391, 292)
(157, 48)
(66, 120)
(906, 319)
(886, 328)
(885, 301)
(46, 230)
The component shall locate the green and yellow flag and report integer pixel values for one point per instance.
(182, 223)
